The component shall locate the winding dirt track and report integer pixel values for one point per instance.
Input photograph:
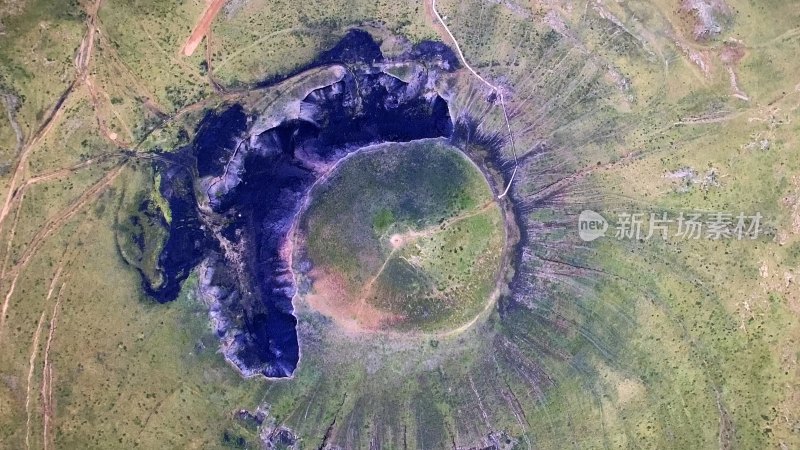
(31, 368)
(82, 60)
(21, 166)
(53, 225)
(497, 90)
(48, 411)
(201, 28)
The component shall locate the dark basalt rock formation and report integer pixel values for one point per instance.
(248, 183)
(187, 243)
(357, 46)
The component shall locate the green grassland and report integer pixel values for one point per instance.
(441, 277)
(615, 344)
(460, 264)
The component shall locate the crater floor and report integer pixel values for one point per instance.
(401, 237)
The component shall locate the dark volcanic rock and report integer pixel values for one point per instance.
(187, 243)
(357, 46)
(214, 142)
(435, 53)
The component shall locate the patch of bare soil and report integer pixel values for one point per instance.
(333, 298)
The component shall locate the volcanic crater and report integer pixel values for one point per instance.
(429, 249)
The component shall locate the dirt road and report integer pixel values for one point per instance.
(202, 26)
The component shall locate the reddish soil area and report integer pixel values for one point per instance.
(202, 26)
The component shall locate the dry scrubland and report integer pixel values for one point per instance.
(690, 344)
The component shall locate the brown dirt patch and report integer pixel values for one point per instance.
(732, 52)
(396, 240)
(203, 25)
(333, 297)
